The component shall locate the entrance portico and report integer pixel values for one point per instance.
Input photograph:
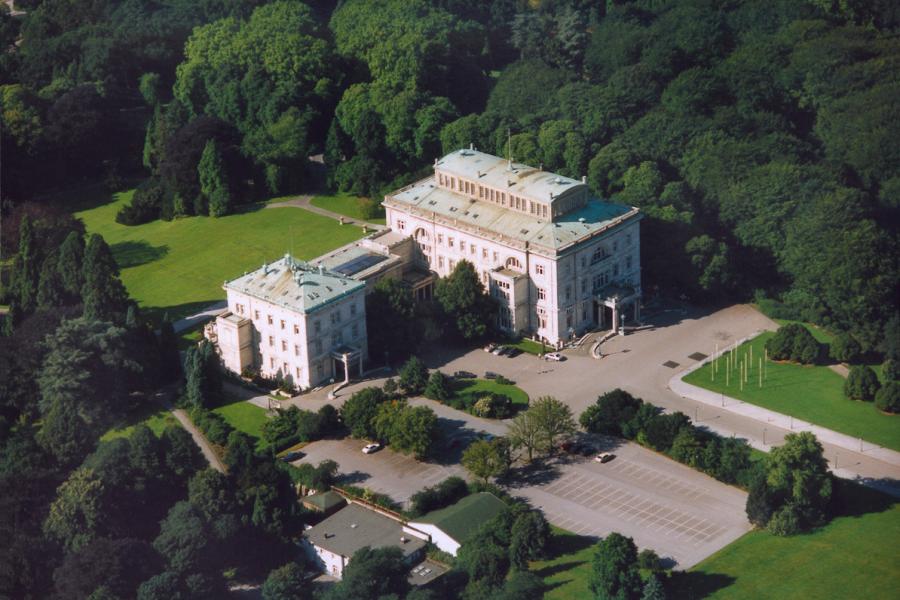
(347, 358)
(617, 298)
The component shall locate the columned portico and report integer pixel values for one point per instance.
(348, 356)
(617, 299)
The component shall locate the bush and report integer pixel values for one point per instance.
(370, 209)
(662, 429)
(891, 369)
(503, 380)
(888, 397)
(493, 406)
(861, 384)
(437, 388)
(447, 492)
(793, 342)
(785, 521)
(612, 410)
(145, 206)
(413, 376)
(213, 425)
(649, 560)
(845, 349)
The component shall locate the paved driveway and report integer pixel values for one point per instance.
(388, 472)
(680, 513)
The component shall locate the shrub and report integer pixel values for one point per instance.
(413, 376)
(437, 388)
(785, 521)
(447, 492)
(888, 397)
(845, 349)
(213, 425)
(492, 406)
(370, 209)
(662, 429)
(648, 560)
(503, 380)
(861, 384)
(891, 369)
(145, 206)
(612, 410)
(793, 342)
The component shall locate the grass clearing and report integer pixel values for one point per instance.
(529, 346)
(848, 558)
(567, 571)
(157, 419)
(345, 204)
(478, 387)
(178, 267)
(812, 393)
(245, 417)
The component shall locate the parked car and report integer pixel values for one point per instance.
(292, 456)
(490, 347)
(604, 457)
(463, 375)
(554, 356)
(491, 375)
(513, 352)
(370, 448)
(499, 351)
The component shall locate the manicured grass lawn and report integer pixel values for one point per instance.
(345, 204)
(567, 572)
(529, 346)
(854, 556)
(189, 337)
(179, 266)
(478, 387)
(156, 419)
(811, 393)
(245, 417)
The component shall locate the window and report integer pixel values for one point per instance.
(542, 294)
(440, 262)
(598, 255)
(336, 338)
(615, 245)
(440, 238)
(298, 372)
(495, 257)
(240, 309)
(539, 269)
(568, 292)
(481, 191)
(271, 362)
(544, 210)
(355, 330)
(450, 242)
(296, 350)
(283, 346)
(285, 368)
(320, 370)
(472, 249)
(484, 253)
(584, 286)
(628, 240)
(318, 346)
(401, 225)
(296, 329)
(583, 261)
(269, 319)
(616, 270)
(256, 315)
(462, 245)
(451, 263)
(353, 310)
(271, 341)
(317, 326)
(628, 263)
(282, 323)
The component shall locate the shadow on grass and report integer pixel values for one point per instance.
(133, 254)
(695, 585)
(853, 500)
(178, 311)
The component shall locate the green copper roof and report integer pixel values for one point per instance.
(462, 519)
(296, 285)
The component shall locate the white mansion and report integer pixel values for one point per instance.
(559, 261)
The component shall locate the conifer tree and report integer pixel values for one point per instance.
(169, 357)
(69, 265)
(104, 295)
(213, 180)
(26, 267)
(51, 290)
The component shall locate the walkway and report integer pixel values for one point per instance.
(305, 202)
(776, 419)
(204, 315)
(200, 440)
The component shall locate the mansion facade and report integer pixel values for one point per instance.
(558, 261)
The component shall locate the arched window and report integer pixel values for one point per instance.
(598, 255)
(513, 263)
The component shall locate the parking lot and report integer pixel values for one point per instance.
(682, 514)
(387, 472)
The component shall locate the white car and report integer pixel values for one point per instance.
(604, 457)
(554, 356)
(370, 448)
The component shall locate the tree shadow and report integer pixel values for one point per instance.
(539, 472)
(353, 477)
(178, 311)
(135, 253)
(850, 499)
(690, 585)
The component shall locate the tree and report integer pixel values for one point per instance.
(287, 583)
(183, 539)
(660, 432)
(649, 560)
(890, 368)
(528, 539)
(653, 589)
(887, 399)
(26, 268)
(214, 180)
(614, 569)
(483, 460)
(204, 379)
(71, 258)
(75, 517)
(413, 376)
(798, 477)
(793, 342)
(165, 586)
(104, 295)
(861, 384)
(463, 299)
(844, 348)
(149, 86)
(393, 333)
(554, 419)
(169, 356)
(522, 585)
(437, 388)
(358, 412)
(117, 565)
(372, 573)
(416, 431)
(525, 432)
(483, 558)
(182, 456)
(51, 290)
(610, 413)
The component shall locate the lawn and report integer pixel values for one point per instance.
(157, 419)
(478, 387)
(344, 204)
(529, 346)
(810, 393)
(851, 557)
(245, 417)
(179, 266)
(567, 571)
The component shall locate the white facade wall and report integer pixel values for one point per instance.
(298, 346)
(561, 288)
(438, 537)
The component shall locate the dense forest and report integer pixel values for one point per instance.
(758, 136)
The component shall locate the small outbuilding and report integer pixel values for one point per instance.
(451, 526)
(324, 502)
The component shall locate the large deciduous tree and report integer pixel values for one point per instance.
(554, 419)
(462, 297)
(614, 569)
